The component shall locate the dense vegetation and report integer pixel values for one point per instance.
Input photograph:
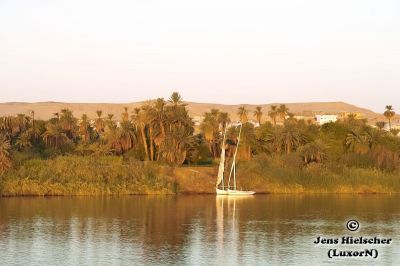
(139, 152)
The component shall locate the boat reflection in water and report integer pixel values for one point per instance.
(227, 226)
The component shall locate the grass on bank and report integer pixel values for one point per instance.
(75, 175)
(273, 175)
(111, 175)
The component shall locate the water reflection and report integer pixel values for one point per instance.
(228, 229)
(188, 229)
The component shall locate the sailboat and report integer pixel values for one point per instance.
(220, 187)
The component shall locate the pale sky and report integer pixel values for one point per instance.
(223, 51)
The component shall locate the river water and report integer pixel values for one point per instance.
(194, 230)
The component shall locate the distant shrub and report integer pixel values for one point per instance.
(385, 159)
(314, 152)
(352, 159)
(293, 160)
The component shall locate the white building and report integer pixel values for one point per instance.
(238, 123)
(197, 120)
(255, 123)
(323, 119)
(234, 124)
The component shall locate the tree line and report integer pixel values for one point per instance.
(163, 131)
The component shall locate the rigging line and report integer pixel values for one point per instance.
(223, 147)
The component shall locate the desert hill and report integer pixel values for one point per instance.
(45, 110)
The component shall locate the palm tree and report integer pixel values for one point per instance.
(242, 113)
(135, 117)
(14, 126)
(24, 140)
(178, 144)
(84, 127)
(175, 98)
(54, 136)
(125, 114)
(32, 112)
(5, 161)
(68, 123)
(179, 128)
(223, 120)
(99, 123)
(160, 120)
(247, 140)
(380, 124)
(258, 114)
(6, 125)
(159, 107)
(141, 121)
(291, 119)
(150, 116)
(273, 113)
(358, 141)
(22, 122)
(313, 152)
(374, 137)
(351, 117)
(178, 116)
(110, 122)
(5, 145)
(210, 129)
(126, 135)
(389, 113)
(113, 137)
(291, 138)
(283, 111)
(34, 131)
(273, 139)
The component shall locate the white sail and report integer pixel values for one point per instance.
(221, 168)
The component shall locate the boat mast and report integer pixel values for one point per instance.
(233, 167)
(234, 177)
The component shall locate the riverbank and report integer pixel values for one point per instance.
(110, 175)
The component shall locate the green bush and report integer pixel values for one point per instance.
(75, 175)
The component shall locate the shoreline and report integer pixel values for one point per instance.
(205, 194)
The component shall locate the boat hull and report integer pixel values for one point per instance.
(240, 192)
(233, 192)
(221, 192)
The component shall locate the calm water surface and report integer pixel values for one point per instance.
(192, 230)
